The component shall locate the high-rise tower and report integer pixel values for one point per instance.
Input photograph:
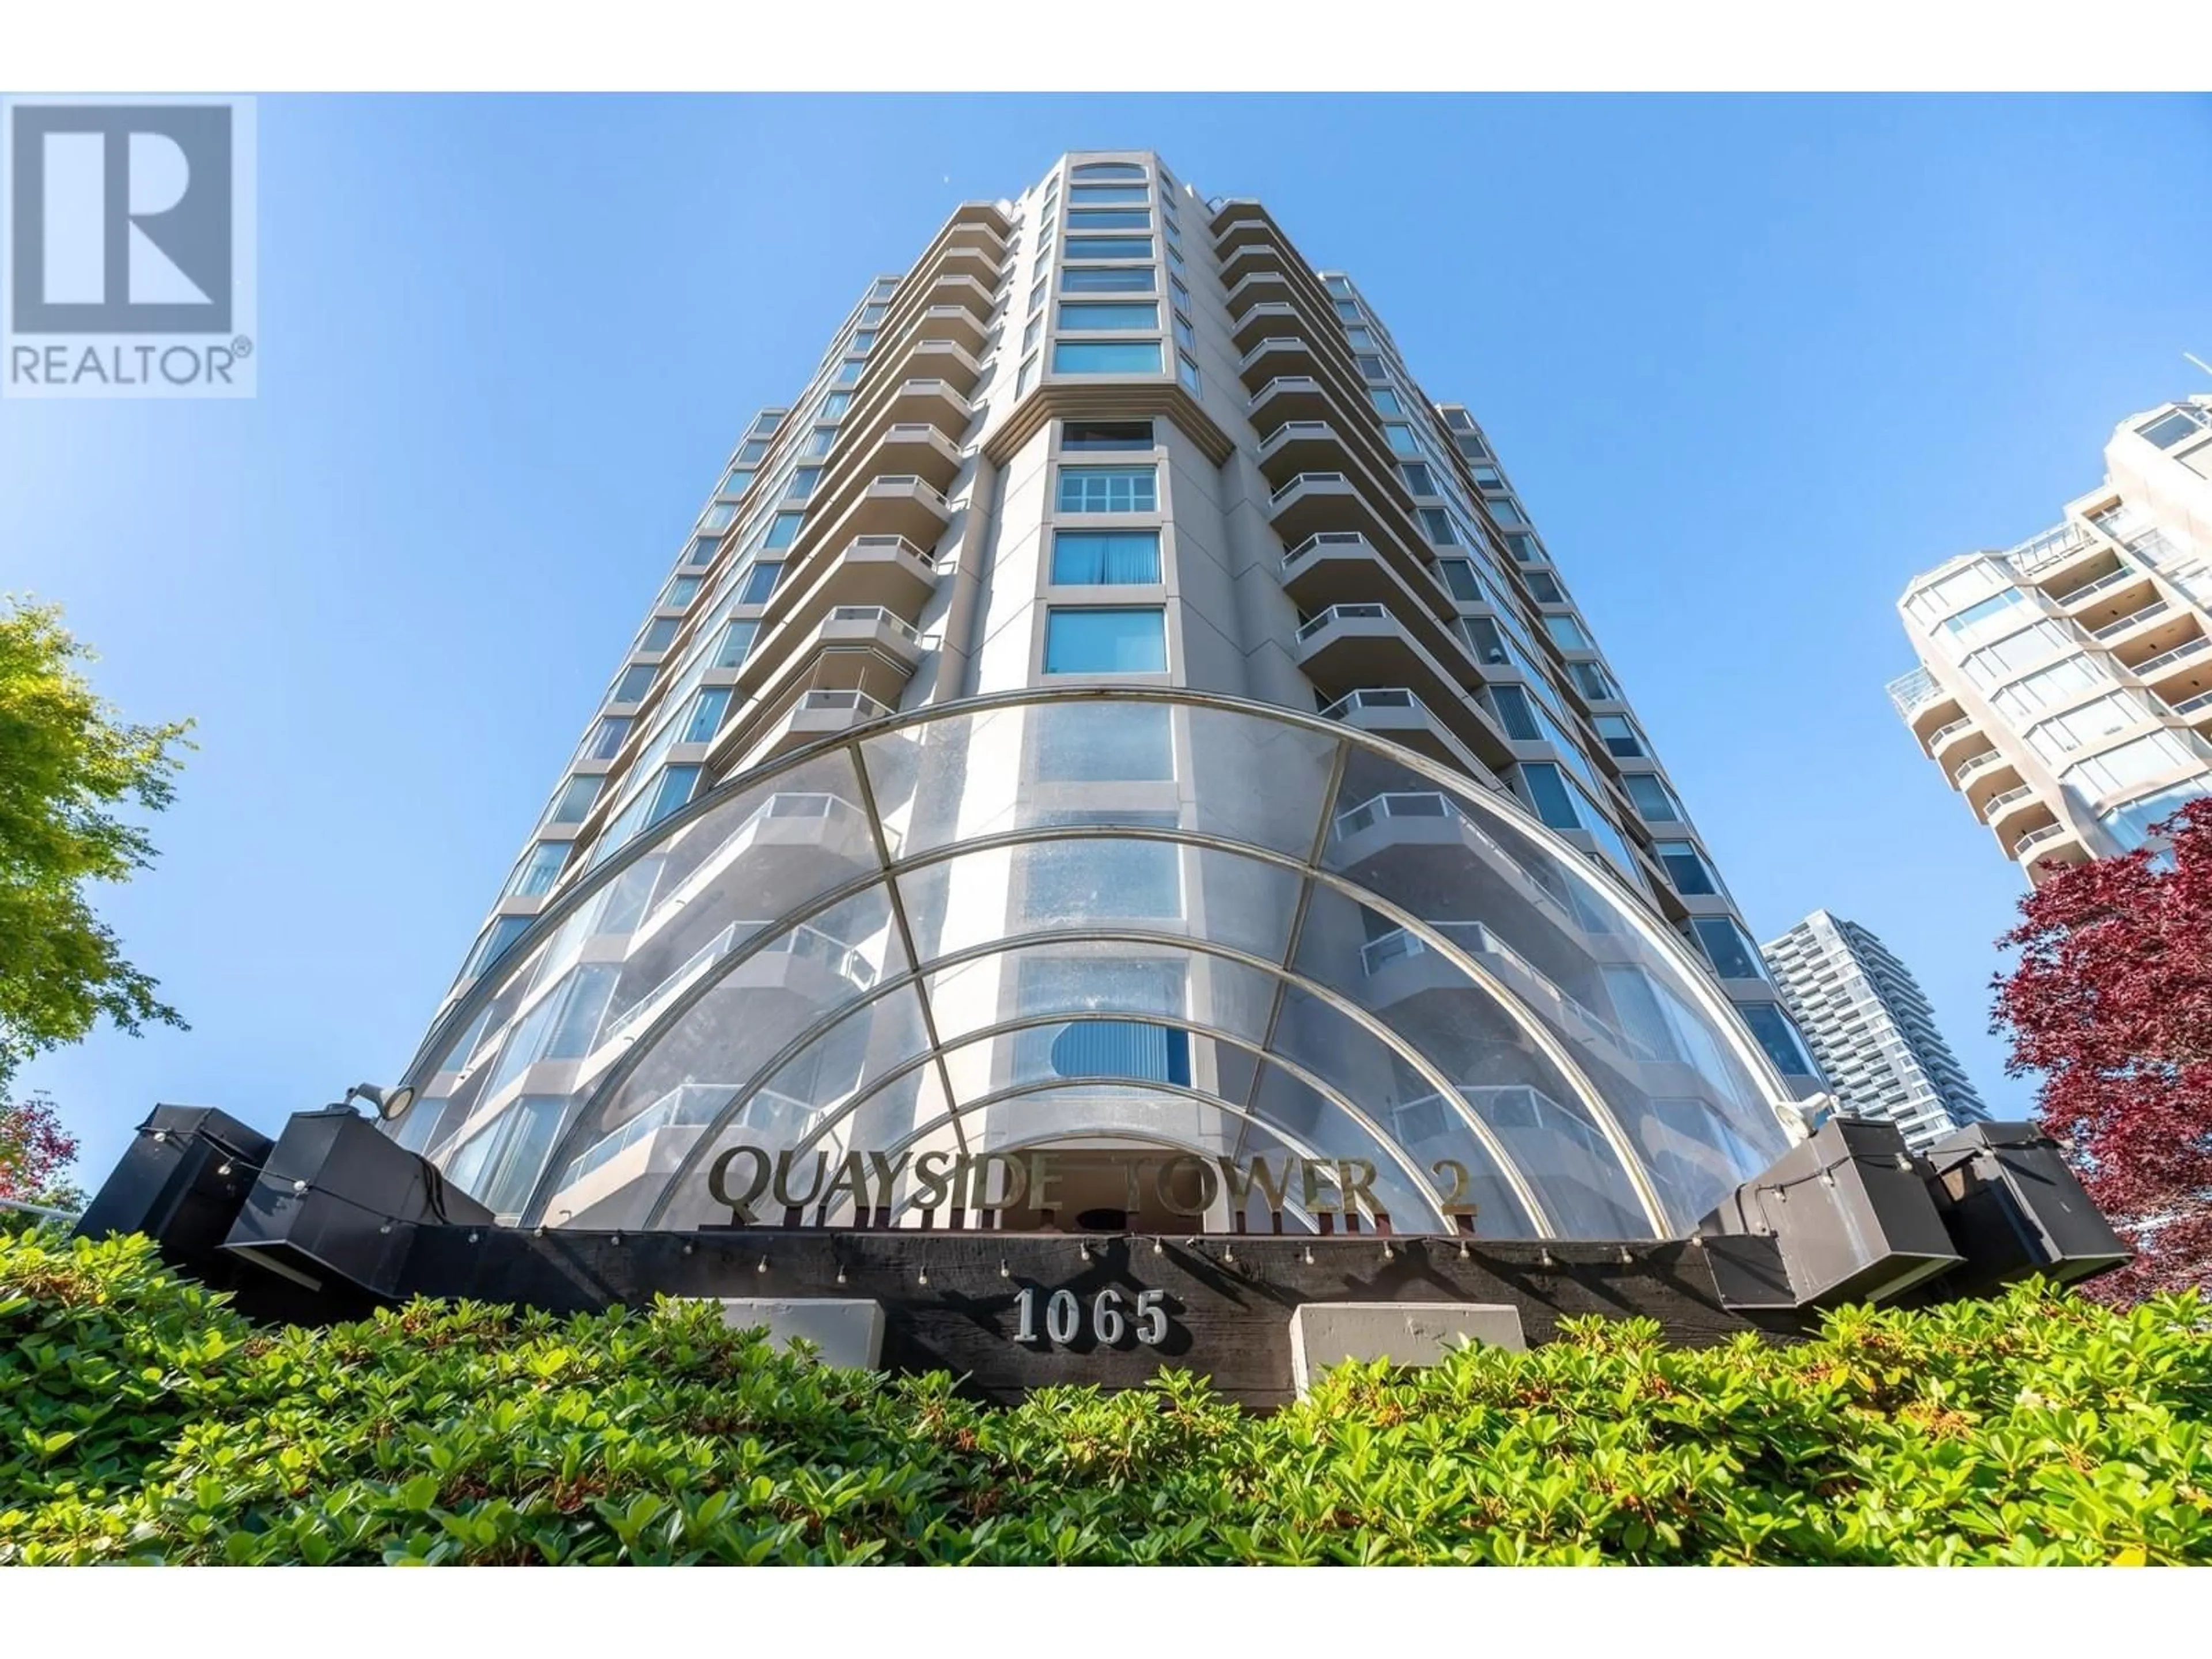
(2065, 687)
(1113, 706)
(1871, 1030)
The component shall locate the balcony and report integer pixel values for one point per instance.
(2046, 558)
(2180, 675)
(1298, 447)
(1395, 713)
(2106, 599)
(2130, 622)
(1263, 280)
(885, 570)
(918, 448)
(872, 625)
(1312, 502)
(2052, 842)
(818, 715)
(1290, 398)
(1269, 319)
(938, 402)
(2196, 709)
(1285, 354)
(1948, 737)
(1922, 702)
(2016, 813)
(1984, 776)
(1256, 256)
(901, 505)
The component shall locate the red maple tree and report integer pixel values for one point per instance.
(2112, 1002)
(34, 1149)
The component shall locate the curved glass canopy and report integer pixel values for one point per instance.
(1102, 919)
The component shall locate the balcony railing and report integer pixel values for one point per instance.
(1384, 696)
(1320, 539)
(2036, 837)
(860, 701)
(2053, 546)
(2118, 578)
(1943, 734)
(2166, 660)
(1273, 342)
(2194, 706)
(1344, 613)
(1915, 690)
(1987, 762)
(1301, 482)
(1474, 938)
(2134, 618)
(876, 616)
(1996, 804)
(891, 544)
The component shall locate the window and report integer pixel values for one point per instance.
(659, 634)
(633, 682)
(1371, 367)
(1033, 332)
(2137, 762)
(1418, 479)
(539, 869)
(1436, 525)
(1488, 477)
(672, 789)
(818, 441)
(1105, 742)
(2055, 739)
(1340, 286)
(760, 582)
(499, 1164)
(707, 709)
(1186, 336)
(1515, 714)
(1028, 377)
(680, 593)
(1098, 279)
(1186, 371)
(1082, 219)
(1685, 867)
(1123, 641)
(1105, 434)
(783, 530)
(872, 314)
(752, 451)
(1175, 254)
(1654, 801)
(1567, 634)
(1106, 170)
(717, 517)
(606, 739)
(1993, 665)
(734, 481)
(1400, 437)
(2172, 428)
(1182, 294)
(1108, 490)
(1523, 548)
(1110, 247)
(1360, 338)
(1504, 509)
(1728, 947)
(1548, 792)
(1384, 399)
(1139, 1049)
(1348, 309)
(1106, 357)
(1774, 1033)
(1989, 619)
(1106, 195)
(1093, 315)
(1458, 420)
(2130, 825)
(1544, 587)
(1621, 737)
(1593, 682)
(837, 403)
(1105, 556)
(802, 483)
(1460, 579)
(850, 371)
(702, 549)
(863, 342)
(2055, 687)
(1036, 299)
(737, 640)
(573, 804)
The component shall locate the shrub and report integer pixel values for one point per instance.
(141, 1420)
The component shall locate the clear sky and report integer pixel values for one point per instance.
(1752, 362)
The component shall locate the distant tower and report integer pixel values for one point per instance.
(2065, 686)
(1871, 1030)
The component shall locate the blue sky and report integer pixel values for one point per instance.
(1752, 361)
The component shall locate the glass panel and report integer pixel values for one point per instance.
(1106, 357)
(1100, 557)
(1102, 641)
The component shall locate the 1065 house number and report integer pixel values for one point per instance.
(1112, 1316)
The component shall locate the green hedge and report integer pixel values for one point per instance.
(141, 1420)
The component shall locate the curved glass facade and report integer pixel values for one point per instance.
(1105, 917)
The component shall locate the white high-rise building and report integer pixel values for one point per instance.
(1871, 1030)
(1114, 706)
(2065, 686)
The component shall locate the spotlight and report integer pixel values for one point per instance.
(389, 1103)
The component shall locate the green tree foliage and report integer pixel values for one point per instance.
(141, 1420)
(66, 759)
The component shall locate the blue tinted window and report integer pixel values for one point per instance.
(1733, 955)
(760, 584)
(706, 715)
(1554, 801)
(1106, 357)
(1101, 557)
(1094, 316)
(1109, 219)
(636, 680)
(1110, 247)
(1108, 490)
(1771, 1027)
(1126, 642)
(1100, 279)
(783, 528)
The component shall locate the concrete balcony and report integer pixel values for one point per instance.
(1983, 777)
(1366, 644)
(2140, 627)
(1255, 256)
(1298, 446)
(2016, 812)
(937, 403)
(901, 505)
(1264, 280)
(1266, 320)
(873, 626)
(2103, 601)
(885, 570)
(2054, 842)
(1275, 357)
(2180, 674)
(818, 715)
(1240, 233)
(1395, 713)
(955, 323)
(1947, 744)
(1290, 398)
(918, 448)
(1312, 503)
(921, 356)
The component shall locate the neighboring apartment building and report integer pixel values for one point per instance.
(2065, 687)
(1871, 1030)
(1118, 461)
